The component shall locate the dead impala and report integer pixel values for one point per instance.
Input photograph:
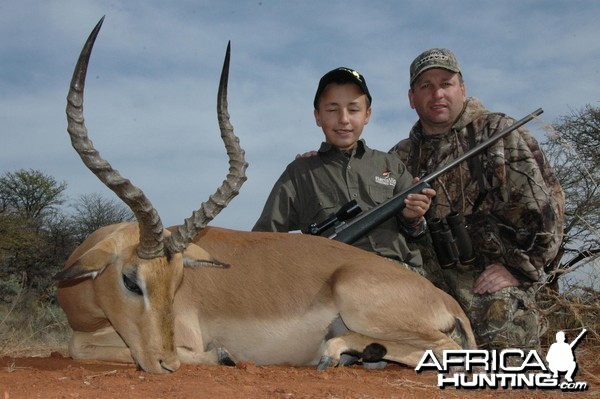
(139, 292)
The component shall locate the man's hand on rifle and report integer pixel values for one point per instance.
(416, 205)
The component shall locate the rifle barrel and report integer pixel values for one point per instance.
(482, 146)
(576, 340)
(367, 221)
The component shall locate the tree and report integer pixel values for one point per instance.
(30, 193)
(573, 149)
(93, 211)
(30, 201)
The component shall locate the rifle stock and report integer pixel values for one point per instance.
(367, 221)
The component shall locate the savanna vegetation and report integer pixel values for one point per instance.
(39, 228)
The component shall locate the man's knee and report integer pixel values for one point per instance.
(505, 320)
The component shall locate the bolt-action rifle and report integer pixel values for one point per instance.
(352, 230)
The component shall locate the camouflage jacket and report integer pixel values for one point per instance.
(513, 206)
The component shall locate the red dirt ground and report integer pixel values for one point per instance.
(61, 377)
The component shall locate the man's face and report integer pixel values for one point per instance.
(438, 96)
(342, 114)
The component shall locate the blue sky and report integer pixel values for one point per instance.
(151, 90)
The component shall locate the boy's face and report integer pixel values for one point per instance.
(342, 114)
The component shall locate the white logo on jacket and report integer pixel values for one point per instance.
(386, 179)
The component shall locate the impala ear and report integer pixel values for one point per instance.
(89, 265)
(194, 256)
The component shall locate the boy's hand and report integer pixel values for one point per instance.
(416, 205)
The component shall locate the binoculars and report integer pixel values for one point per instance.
(451, 240)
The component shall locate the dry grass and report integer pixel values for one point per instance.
(575, 308)
(31, 328)
(571, 311)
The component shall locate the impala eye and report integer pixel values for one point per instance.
(131, 285)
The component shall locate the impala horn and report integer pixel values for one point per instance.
(150, 225)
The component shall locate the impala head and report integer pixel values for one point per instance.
(137, 267)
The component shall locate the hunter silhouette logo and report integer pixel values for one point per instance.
(511, 368)
(560, 356)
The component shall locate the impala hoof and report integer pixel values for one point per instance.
(347, 359)
(225, 358)
(325, 363)
(375, 365)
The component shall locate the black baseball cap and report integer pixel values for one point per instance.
(342, 75)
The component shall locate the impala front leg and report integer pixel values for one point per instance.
(194, 348)
(103, 344)
(213, 356)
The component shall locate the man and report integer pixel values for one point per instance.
(512, 202)
(313, 188)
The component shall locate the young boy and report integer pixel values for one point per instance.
(313, 188)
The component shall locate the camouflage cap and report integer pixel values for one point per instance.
(342, 75)
(433, 58)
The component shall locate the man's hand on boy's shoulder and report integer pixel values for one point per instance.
(308, 154)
